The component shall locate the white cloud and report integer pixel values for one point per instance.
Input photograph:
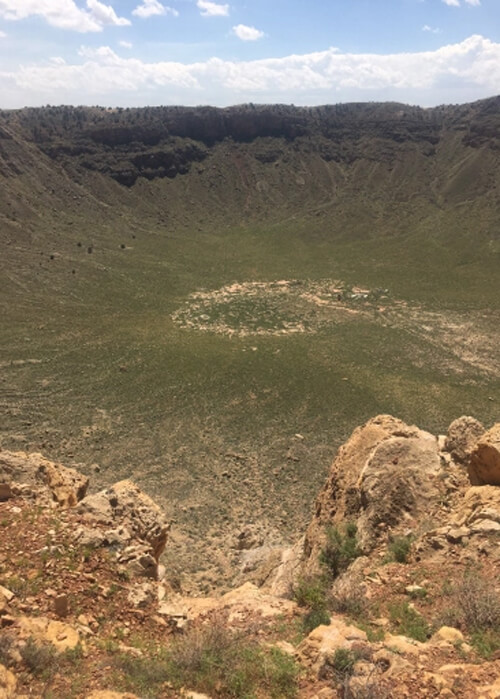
(456, 72)
(212, 9)
(456, 3)
(105, 14)
(64, 14)
(2, 35)
(150, 8)
(247, 33)
(125, 44)
(432, 30)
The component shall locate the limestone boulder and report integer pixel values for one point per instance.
(447, 634)
(129, 522)
(480, 506)
(317, 650)
(62, 636)
(35, 477)
(129, 515)
(248, 600)
(383, 477)
(8, 683)
(462, 436)
(483, 464)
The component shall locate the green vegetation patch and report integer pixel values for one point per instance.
(214, 660)
(341, 548)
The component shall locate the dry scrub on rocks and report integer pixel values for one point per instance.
(395, 585)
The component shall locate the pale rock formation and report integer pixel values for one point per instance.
(129, 521)
(382, 478)
(318, 649)
(237, 605)
(479, 511)
(35, 477)
(62, 636)
(8, 684)
(447, 634)
(484, 461)
(462, 435)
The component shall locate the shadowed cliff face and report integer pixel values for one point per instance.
(157, 142)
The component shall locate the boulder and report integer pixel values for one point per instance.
(384, 476)
(462, 435)
(127, 520)
(35, 477)
(318, 649)
(447, 634)
(8, 683)
(62, 636)
(402, 645)
(481, 504)
(483, 465)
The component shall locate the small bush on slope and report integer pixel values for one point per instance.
(217, 661)
(340, 550)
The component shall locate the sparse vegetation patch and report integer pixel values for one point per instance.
(274, 308)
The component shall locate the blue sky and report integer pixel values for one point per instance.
(139, 52)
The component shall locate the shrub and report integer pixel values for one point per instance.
(314, 618)
(478, 602)
(6, 646)
(399, 549)
(311, 591)
(350, 601)
(343, 661)
(477, 609)
(39, 658)
(340, 550)
(408, 621)
(486, 643)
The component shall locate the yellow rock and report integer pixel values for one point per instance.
(402, 644)
(8, 683)
(492, 691)
(448, 634)
(321, 644)
(62, 636)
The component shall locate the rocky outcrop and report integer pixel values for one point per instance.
(32, 476)
(126, 144)
(237, 606)
(484, 460)
(318, 649)
(388, 478)
(462, 436)
(121, 517)
(383, 478)
(479, 512)
(128, 520)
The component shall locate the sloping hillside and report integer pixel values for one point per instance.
(210, 300)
